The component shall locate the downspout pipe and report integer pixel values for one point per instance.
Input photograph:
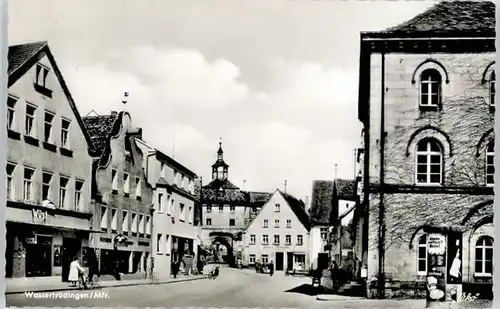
(381, 214)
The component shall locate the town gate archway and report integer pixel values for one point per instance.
(219, 241)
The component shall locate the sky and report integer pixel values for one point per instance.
(275, 80)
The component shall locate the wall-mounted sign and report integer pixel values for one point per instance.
(39, 216)
(436, 244)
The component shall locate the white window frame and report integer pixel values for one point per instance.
(47, 185)
(30, 121)
(63, 192)
(42, 72)
(125, 221)
(277, 207)
(148, 225)
(169, 204)
(208, 222)
(288, 240)
(190, 215)
(126, 183)
(232, 220)
(134, 226)
(266, 223)
(323, 233)
(11, 190)
(276, 239)
(28, 187)
(276, 223)
(159, 247)
(50, 125)
(265, 239)
(114, 219)
(490, 153)
(422, 243)
(182, 212)
(430, 82)
(114, 179)
(264, 258)
(78, 194)
(253, 239)
(160, 202)
(483, 261)
(104, 218)
(142, 224)
(11, 112)
(428, 153)
(209, 208)
(288, 223)
(300, 240)
(251, 259)
(65, 134)
(232, 208)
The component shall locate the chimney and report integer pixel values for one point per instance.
(114, 113)
(306, 201)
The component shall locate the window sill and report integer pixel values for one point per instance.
(43, 90)
(13, 135)
(31, 140)
(50, 147)
(483, 276)
(434, 185)
(159, 253)
(66, 152)
(421, 273)
(428, 108)
(300, 244)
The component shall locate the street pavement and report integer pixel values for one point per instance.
(233, 288)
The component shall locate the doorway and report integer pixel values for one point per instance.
(323, 261)
(289, 260)
(279, 261)
(71, 247)
(38, 257)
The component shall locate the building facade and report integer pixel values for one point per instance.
(176, 233)
(319, 217)
(49, 168)
(427, 104)
(280, 233)
(226, 212)
(122, 197)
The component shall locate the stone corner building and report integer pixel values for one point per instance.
(49, 168)
(426, 101)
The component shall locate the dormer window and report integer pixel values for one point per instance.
(430, 88)
(41, 75)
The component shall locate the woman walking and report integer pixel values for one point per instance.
(75, 272)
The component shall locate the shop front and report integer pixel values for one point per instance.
(42, 242)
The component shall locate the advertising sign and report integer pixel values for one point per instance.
(39, 216)
(436, 268)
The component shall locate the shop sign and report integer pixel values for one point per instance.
(436, 244)
(39, 216)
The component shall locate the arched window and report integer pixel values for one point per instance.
(430, 88)
(484, 256)
(422, 255)
(492, 88)
(429, 162)
(490, 166)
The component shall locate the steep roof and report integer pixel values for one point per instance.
(450, 17)
(100, 129)
(20, 54)
(21, 58)
(321, 202)
(345, 189)
(172, 162)
(258, 199)
(298, 207)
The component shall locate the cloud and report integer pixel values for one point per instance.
(295, 129)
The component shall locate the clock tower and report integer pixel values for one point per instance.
(220, 168)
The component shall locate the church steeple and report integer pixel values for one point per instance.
(220, 168)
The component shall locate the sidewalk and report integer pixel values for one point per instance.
(52, 284)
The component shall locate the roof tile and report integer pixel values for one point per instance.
(19, 54)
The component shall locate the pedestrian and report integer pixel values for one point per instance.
(257, 266)
(334, 270)
(271, 268)
(76, 271)
(175, 268)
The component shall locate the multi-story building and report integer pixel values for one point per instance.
(280, 234)
(226, 212)
(49, 168)
(122, 197)
(319, 218)
(176, 233)
(427, 102)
